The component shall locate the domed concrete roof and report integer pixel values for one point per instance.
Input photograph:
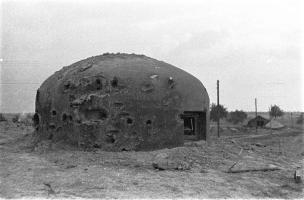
(118, 102)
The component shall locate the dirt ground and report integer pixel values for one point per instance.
(57, 171)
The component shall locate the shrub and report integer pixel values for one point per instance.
(2, 118)
(217, 112)
(237, 116)
(275, 111)
(300, 119)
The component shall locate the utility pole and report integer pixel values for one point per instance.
(256, 114)
(218, 106)
(291, 119)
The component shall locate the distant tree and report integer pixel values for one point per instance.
(214, 115)
(15, 118)
(275, 111)
(237, 116)
(300, 119)
(2, 118)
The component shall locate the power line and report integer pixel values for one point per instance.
(20, 83)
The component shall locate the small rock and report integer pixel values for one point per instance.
(49, 188)
(203, 171)
(259, 145)
(70, 166)
(136, 165)
(183, 166)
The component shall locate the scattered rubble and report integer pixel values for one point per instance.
(166, 161)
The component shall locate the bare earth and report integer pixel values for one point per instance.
(54, 171)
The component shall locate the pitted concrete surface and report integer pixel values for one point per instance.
(119, 102)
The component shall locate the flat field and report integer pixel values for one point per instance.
(50, 170)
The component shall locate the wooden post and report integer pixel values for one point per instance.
(291, 119)
(218, 110)
(256, 114)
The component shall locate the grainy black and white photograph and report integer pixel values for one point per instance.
(151, 99)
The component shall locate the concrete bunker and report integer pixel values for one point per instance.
(195, 125)
(122, 102)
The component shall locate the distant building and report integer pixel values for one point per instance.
(258, 121)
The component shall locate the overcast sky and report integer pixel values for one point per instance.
(252, 46)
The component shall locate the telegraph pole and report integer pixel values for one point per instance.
(218, 110)
(256, 114)
(291, 119)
